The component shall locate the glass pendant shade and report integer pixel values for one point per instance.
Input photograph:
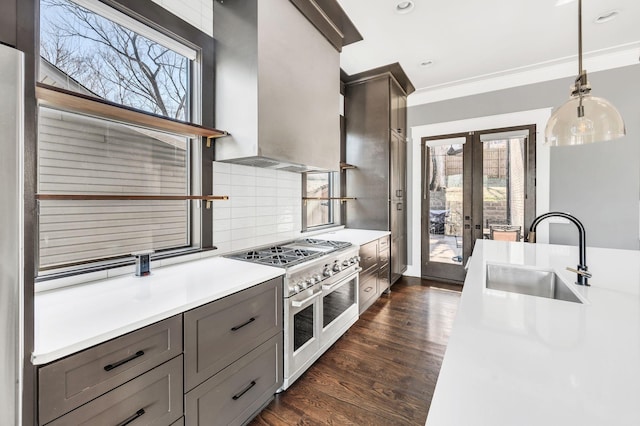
(601, 122)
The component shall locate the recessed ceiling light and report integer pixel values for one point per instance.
(607, 16)
(403, 7)
(427, 63)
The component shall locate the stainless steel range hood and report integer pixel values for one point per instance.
(277, 87)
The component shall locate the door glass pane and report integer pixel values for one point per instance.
(503, 181)
(302, 327)
(444, 180)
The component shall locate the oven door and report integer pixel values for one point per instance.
(339, 307)
(301, 332)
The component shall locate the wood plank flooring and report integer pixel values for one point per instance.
(383, 371)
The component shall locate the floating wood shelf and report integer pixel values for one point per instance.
(341, 199)
(76, 102)
(344, 166)
(98, 197)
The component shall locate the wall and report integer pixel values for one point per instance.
(264, 206)
(198, 13)
(599, 183)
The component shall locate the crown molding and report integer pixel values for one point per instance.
(610, 58)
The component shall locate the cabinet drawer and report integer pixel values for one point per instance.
(77, 379)
(368, 255)
(383, 258)
(368, 292)
(155, 398)
(217, 334)
(383, 243)
(235, 394)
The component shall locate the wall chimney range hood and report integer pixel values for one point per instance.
(277, 87)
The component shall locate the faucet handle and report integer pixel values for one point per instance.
(585, 274)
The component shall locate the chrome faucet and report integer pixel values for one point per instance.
(581, 271)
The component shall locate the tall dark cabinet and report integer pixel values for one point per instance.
(376, 127)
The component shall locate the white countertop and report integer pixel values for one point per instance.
(514, 359)
(353, 236)
(71, 319)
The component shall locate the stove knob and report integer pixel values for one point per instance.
(346, 263)
(327, 272)
(336, 267)
(352, 261)
(311, 281)
(357, 258)
(318, 277)
(296, 288)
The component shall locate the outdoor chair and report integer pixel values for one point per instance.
(505, 233)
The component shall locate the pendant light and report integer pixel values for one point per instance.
(583, 118)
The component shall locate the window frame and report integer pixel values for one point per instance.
(334, 212)
(201, 112)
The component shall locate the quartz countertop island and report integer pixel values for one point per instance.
(515, 359)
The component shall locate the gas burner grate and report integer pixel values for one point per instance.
(327, 243)
(252, 255)
(274, 249)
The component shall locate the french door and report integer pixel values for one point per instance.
(472, 182)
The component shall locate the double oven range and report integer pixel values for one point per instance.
(320, 296)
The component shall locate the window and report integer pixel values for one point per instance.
(106, 188)
(317, 212)
(85, 52)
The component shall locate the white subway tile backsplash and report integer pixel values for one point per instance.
(221, 236)
(266, 211)
(221, 178)
(243, 243)
(243, 222)
(242, 234)
(219, 167)
(238, 201)
(264, 207)
(243, 180)
(267, 220)
(241, 170)
(242, 212)
(243, 191)
(266, 201)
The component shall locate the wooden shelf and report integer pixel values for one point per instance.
(341, 199)
(86, 197)
(75, 102)
(345, 166)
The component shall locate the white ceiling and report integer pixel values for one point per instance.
(471, 40)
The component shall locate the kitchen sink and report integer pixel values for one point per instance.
(527, 280)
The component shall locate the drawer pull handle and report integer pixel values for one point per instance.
(124, 361)
(245, 390)
(238, 327)
(138, 413)
(368, 289)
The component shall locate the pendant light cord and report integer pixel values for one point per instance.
(582, 76)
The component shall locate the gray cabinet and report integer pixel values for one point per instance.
(234, 395)
(70, 382)
(375, 113)
(217, 334)
(374, 277)
(233, 355)
(154, 398)
(8, 22)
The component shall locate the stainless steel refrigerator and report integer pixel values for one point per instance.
(11, 233)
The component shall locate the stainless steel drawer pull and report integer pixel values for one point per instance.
(124, 361)
(245, 390)
(238, 327)
(368, 289)
(138, 413)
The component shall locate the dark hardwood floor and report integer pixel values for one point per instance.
(383, 371)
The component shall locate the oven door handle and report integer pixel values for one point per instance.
(299, 303)
(343, 280)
